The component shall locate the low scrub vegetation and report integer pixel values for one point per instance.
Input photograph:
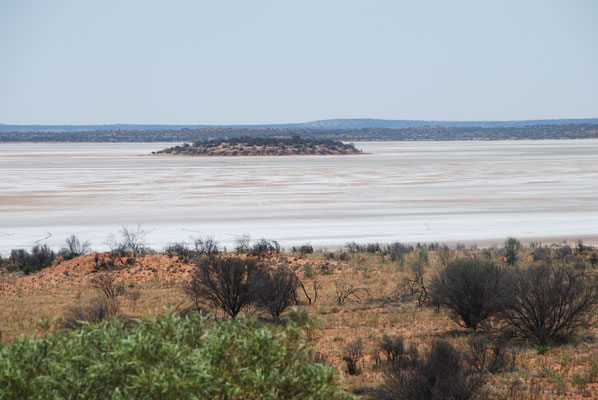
(167, 357)
(398, 321)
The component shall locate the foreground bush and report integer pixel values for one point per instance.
(440, 374)
(167, 357)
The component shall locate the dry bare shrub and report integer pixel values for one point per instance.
(417, 284)
(353, 353)
(98, 309)
(347, 292)
(393, 348)
(133, 295)
(106, 284)
(221, 283)
(316, 288)
(207, 246)
(130, 245)
(548, 304)
(263, 247)
(484, 356)
(74, 248)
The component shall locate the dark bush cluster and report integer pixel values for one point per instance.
(260, 248)
(394, 250)
(472, 290)
(548, 304)
(27, 262)
(181, 250)
(263, 247)
(303, 249)
(543, 303)
(440, 373)
(354, 247)
(201, 246)
(274, 290)
(512, 247)
(232, 284)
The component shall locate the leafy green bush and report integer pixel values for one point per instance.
(167, 357)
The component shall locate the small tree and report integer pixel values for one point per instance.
(416, 283)
(472, 290)
(353, 354)
(106, 284)
(512, 247)
(222, 283)
(548, 304)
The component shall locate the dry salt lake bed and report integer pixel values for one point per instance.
(401, 191)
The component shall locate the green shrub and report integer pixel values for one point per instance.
(167, 357)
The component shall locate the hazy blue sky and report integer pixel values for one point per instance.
(221, 61)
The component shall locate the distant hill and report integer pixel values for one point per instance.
(531, 132)
(328, 124)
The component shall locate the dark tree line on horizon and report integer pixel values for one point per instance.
(431, 133)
